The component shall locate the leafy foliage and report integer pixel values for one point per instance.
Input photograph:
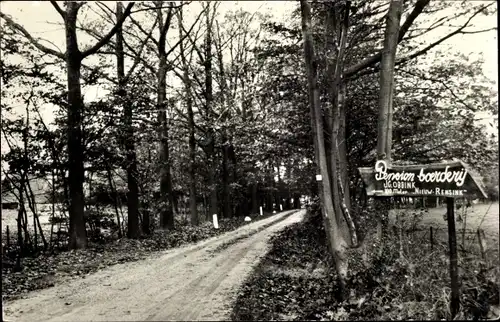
(294, 281)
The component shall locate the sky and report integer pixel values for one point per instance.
(39, 18)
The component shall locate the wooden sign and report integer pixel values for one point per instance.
(449, 179)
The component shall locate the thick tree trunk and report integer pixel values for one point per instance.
(133, 230)
(146, 216)
(344, 171)
(166, 197)
(193, 210)
(331, 115)
(77, 230)
(212, 157)
(192, 164)
(226, 200)
(384, 137)
(338, 245)
(338, 152)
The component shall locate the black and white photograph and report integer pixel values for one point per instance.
(306, 160)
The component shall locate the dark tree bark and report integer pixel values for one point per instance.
(211, 153)
(166, 196)
(338, 245)
(226, 197)
(133, 230)
(384, 136)
(191, 124)
(77, 231)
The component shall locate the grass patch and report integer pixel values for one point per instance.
(400, 278)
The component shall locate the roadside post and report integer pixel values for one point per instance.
(215, 221)
(261, 211)
(448, 179)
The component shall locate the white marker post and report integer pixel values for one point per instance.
(261, 213)
(281, 207)
(216, 222)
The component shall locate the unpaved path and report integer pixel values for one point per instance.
(196, 282)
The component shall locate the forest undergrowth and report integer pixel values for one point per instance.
(400, 278)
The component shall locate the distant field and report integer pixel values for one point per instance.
(484, 216)
(9, 217)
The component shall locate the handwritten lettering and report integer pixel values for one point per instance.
(381, 173)
(405, 180)
(447, 176)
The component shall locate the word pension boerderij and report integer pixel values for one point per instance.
(404, 182)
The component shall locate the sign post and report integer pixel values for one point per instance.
(215, 221)
(452, 242)
(449, 180)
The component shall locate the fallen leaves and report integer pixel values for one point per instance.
(383, 286)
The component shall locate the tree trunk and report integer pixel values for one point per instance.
(77, 229)
(338, 156)
(133, 230)
(209, 101)
(166, 197)
(296, 201)
(344, 172)
(146, 217)
(384, 137)
(337, 243)
(226, 198)
(114, 195)
(331, 114)
(192, 142)
(255, 198)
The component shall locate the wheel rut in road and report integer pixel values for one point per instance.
(195, 282)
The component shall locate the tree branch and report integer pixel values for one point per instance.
(160, 7)
(32, 40)
(110, 34)
(429, 47)
(164, 29)
(376, 58)
(367, 62)
(187, 33)
(138, 25)
(137, 59)
(442, 82)
(61, 12)
(477, 31)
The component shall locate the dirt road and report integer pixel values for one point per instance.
(196, 282)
